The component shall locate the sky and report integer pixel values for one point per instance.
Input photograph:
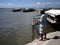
(29, 3)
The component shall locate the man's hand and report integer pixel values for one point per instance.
(36, 23)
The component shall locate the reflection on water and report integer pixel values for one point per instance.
(56, 26)
(33, 33)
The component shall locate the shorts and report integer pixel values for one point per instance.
(41, 29)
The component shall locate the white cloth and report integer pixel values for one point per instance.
(43, 20)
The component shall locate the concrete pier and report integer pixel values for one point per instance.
(54, 39)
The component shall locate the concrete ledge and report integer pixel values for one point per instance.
(49, 35)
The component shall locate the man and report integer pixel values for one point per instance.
(42, 24)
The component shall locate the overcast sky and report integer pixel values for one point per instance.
(29, 3)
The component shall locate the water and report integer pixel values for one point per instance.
(15, 27)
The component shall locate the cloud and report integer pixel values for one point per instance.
(10, 4)
(57, 2)
(49, 3)
(38, 3)
(7, 4)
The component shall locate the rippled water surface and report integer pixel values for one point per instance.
(15, 27)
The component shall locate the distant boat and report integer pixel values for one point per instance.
(53, 16)
(16, 10)
(28, 10)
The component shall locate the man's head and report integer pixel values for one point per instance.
(42, 11)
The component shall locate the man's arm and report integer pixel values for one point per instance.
(40, 20)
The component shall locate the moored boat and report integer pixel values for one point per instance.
(53, 16)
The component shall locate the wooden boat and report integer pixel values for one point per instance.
(53, 15)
